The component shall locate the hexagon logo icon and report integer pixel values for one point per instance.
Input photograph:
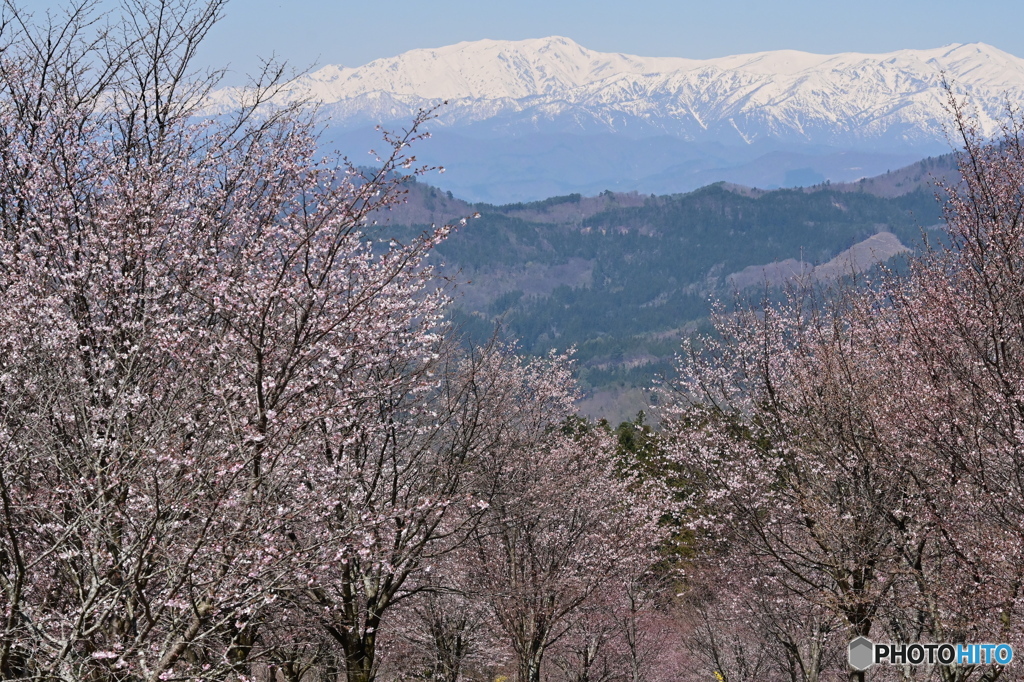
(862, 653)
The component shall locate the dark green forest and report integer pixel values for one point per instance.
(622, 278)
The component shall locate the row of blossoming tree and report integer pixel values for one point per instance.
(237, 439)
(854, 460)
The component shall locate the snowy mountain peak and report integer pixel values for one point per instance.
(554, 84)
(483, 69)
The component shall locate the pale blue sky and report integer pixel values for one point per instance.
(318, 32)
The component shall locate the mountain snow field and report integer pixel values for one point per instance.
(554, 85)
(529, 119)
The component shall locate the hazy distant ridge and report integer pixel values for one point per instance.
(553, 84)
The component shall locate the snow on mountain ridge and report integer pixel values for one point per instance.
(556, 83)
(483, 69)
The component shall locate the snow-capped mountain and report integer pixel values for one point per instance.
(553, 84)
(534, 118)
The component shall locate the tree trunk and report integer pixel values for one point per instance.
(359, 657)
(529, 665)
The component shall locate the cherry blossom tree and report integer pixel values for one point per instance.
(236, 435)
(406, 471)
(627, 631)
(443, 631)
(861, 450)
(564, 525)
(959, 319)
(194, 315)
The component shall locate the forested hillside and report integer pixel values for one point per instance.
(624, 277)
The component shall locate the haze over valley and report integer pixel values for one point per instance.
(529, 119)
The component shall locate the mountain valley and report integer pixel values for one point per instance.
(624, 277)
